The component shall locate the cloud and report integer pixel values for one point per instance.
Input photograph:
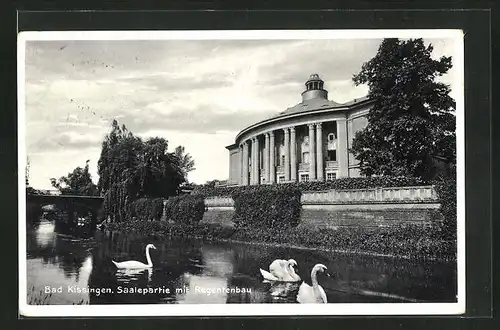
(196, 93)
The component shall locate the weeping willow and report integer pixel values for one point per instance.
(130, 168)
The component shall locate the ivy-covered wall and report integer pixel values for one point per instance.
(338, 184)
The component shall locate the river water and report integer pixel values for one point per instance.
(67, 270)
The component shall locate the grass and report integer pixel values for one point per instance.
(42, 298)
(38, 298)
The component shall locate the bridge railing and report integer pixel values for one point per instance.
(53, 192)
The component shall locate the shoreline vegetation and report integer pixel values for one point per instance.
(405, 243)
(271, 215)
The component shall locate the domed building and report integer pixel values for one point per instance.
(307, 142)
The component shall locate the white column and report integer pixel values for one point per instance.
(319, 147)
(245, 163)
(287, 154)
(240, 150)
(342, 157)
(293, 155)
(252, 159)
(266, 157)
(272, 168)
(312, 154)
(257, 161)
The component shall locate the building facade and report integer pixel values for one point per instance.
(307, 142)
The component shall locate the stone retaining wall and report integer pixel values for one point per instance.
(371, 207)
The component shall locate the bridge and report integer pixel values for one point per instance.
(51, 198)
(69, 209)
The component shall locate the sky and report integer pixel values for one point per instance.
(195, 93)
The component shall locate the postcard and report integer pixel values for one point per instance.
(249, 172)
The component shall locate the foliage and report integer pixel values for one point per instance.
(33, 212)
(412, 241)
(412, 119)
(78, 182)
(39, 297)
(174, 231)
(186, 209)
(338, 184)
(446, 188)
(146, 209)
(32, 191)
(274, 207)
(130, 168)
(185, 160)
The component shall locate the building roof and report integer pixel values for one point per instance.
(314, 99)
(314, 77)
(317, 104)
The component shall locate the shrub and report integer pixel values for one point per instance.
(173, 230)
(411, 241)
(446, 189)
(33, 212)
(338, 184)
(187, 209)
(273, 207)
(147, 208)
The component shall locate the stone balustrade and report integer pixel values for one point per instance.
(418, 194)
(304, 167)
(219, 202)
(331, 164)
(394, 195)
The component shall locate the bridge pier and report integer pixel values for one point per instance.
(68, 210)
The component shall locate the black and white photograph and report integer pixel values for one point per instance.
(241, 172)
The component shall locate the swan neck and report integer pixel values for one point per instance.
(148, 257)
(314, 278)
(292, 272)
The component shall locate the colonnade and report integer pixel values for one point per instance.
(252, 165)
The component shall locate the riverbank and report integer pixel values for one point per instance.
(409, 242)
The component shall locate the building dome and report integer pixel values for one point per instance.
(314, 88)
(308, 141)
(314, 76)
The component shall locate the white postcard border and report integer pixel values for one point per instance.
(243, 309)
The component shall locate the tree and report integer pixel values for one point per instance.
(130, 168)
(186, 161)
(412, 119)
(78, 182)
(161, 171)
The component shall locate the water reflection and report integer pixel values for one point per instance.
(197, 272)
(45, 234)
(129, 275)
(211, 286)
(201, 289)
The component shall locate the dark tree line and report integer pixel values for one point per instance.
(130, 168)
(412, 122)
(77, 182)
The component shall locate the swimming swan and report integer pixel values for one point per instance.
(312, 294)
(132, 264)
(282, 271)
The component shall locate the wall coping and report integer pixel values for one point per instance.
(347, 190)
(374, 188)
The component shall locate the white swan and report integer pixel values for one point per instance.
(282, 271)
(132, 264)
(315, 293)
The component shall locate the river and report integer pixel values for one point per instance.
(80, 271)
